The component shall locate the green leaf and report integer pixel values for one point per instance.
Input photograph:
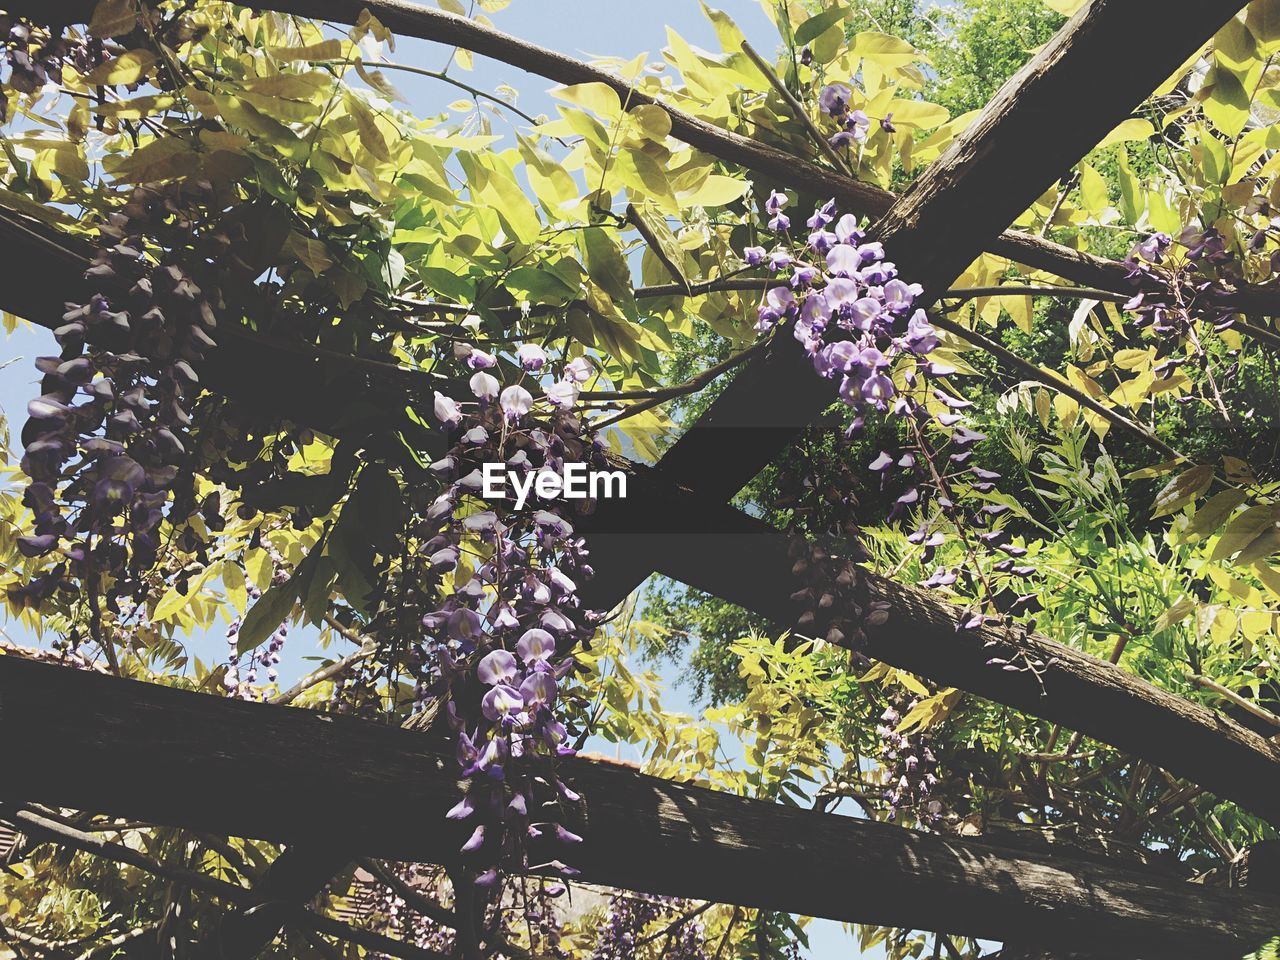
(310, 252)
(370, 136)
(605, 263)
(1178, 612)
(1183, 489)
(1093, 190)
(727, 31)
(1226, 102)
(1245, 529)
(326, 50)
(1214, 512)
(112, 18)
(129, 67)
(660, 240)
(266, 614)
(883, 49)
(1131, 196)
(814, 26)
(1135, 128)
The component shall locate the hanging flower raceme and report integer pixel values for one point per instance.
(857, 321)
(493, 648)
(106, 446)
(33, 57)
(1181, 285)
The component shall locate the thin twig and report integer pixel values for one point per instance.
(797, 108)
(1242, 702)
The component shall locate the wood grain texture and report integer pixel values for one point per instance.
(244, 769)
(751, 568)
(1185, 18)
(1041, 122)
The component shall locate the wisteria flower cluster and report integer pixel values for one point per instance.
(106, 446)
(631, 915)
(848, 308)
(33, 57)
(494, 647)
(245, 685)
(910, 767)
(858, 322)
(1173, 293)
(833, 100)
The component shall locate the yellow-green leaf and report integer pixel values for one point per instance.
(129, 67)
(1183, 489)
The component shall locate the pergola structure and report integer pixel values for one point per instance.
(89, 741)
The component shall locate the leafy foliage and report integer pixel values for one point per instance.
(577, 288)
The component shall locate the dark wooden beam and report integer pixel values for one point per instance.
(1040, 123)
(85, 740)
(751, 568)
(785, 169)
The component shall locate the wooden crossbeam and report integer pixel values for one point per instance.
(1133, 71)
(85, 740)
(1041, 122)
(745, 561)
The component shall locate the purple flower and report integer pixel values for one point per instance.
(837, 358)
(538, 690)
(476, 841)
(779, 260)
(754, 256)
(776, 202)
(531, 356)
(861, 313)
(881, 463)
(820, 241)
(516, 402)
(855, 130)
(484, 385)
(921, 336)
(501, 703)
(898, 296)
(498, 666)
(833, 99)
(878, 390)
(822, 216)
(447, 411)
(843, 261)
(464, 624)
(1153, 248)
(479, 360)
(846, 229)
(578, 370)
(461, 810)
(803, 275)
(536, 646)
(563, 394)
(886, 124)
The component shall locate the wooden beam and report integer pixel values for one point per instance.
(1040, 123)
(751, 568)
(81, 739)
(1116, 20)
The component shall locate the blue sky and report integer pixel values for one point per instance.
(615, 28)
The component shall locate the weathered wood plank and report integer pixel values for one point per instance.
(1040, 123)
(86, 740)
